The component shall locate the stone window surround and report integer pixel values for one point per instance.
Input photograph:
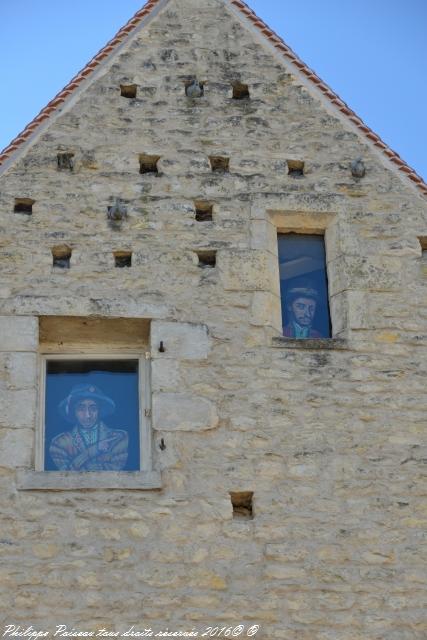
(145, 478)
(174, 409)
(267, 221)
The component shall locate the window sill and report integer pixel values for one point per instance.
(311, 344)
(71, 480)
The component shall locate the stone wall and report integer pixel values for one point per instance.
(328, 437)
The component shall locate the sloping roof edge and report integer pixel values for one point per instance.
(268, 33)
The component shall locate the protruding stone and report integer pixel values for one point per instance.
(181, 341)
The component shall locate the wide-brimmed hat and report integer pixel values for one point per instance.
(106, 406)
(301, 292)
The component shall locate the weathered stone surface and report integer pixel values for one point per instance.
(19, 408)
(18, 333)
(266, 310)
(183, 412)
(16, 447)
(165, 375)
(328, 434)
(21, 370)
(181, 340)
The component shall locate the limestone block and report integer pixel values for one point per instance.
(264, 236)
(183, 412)
(348, 311)
(246, 270)
(22, 370)
(16, 446)
(18, 408)
(18, 333)
(165, 375)
(286, 552)
(338, 307)
(266, 310)
(181, 341)
(362, 272)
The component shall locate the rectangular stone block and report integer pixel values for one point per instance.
(246, 270)
(183, 412)
(181, 341)
(165, 375)
(19, 333)
(266, 310)
(264, 236)
(21, 370)
(16, 447)
(18, 408)
(364, 273)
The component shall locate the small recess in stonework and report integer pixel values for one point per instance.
(24, 205)
(295, 168)
(61, 255)
(423, 243)
(65, 161)
(117, 212)
(207, 259)
(242, 504)
(219, 164)
(204, 211)
(194, 89)
(128, 91)
(122, 259)
(148, 164)
(240, 91)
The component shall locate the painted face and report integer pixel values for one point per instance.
(303, 310)
(87, 413)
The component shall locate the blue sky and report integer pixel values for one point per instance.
(373, 53)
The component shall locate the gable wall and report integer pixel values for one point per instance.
(329, 440)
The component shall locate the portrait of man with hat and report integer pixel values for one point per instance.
(303, 286)
(90, 445)
(301, 304)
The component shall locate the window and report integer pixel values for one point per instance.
(303, 286)
(94, 395)
(91, 414)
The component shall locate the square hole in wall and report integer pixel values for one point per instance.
(24, 205)
(204, 211)
(122, 259)
(128, 91)
(295, 168)
(219, 164)
(65, 161)
(207, 259)
(242, 504)
(148, 164)
(240, 91)
(61, 256)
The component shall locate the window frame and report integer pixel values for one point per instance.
(144, 395)
(307, 233)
